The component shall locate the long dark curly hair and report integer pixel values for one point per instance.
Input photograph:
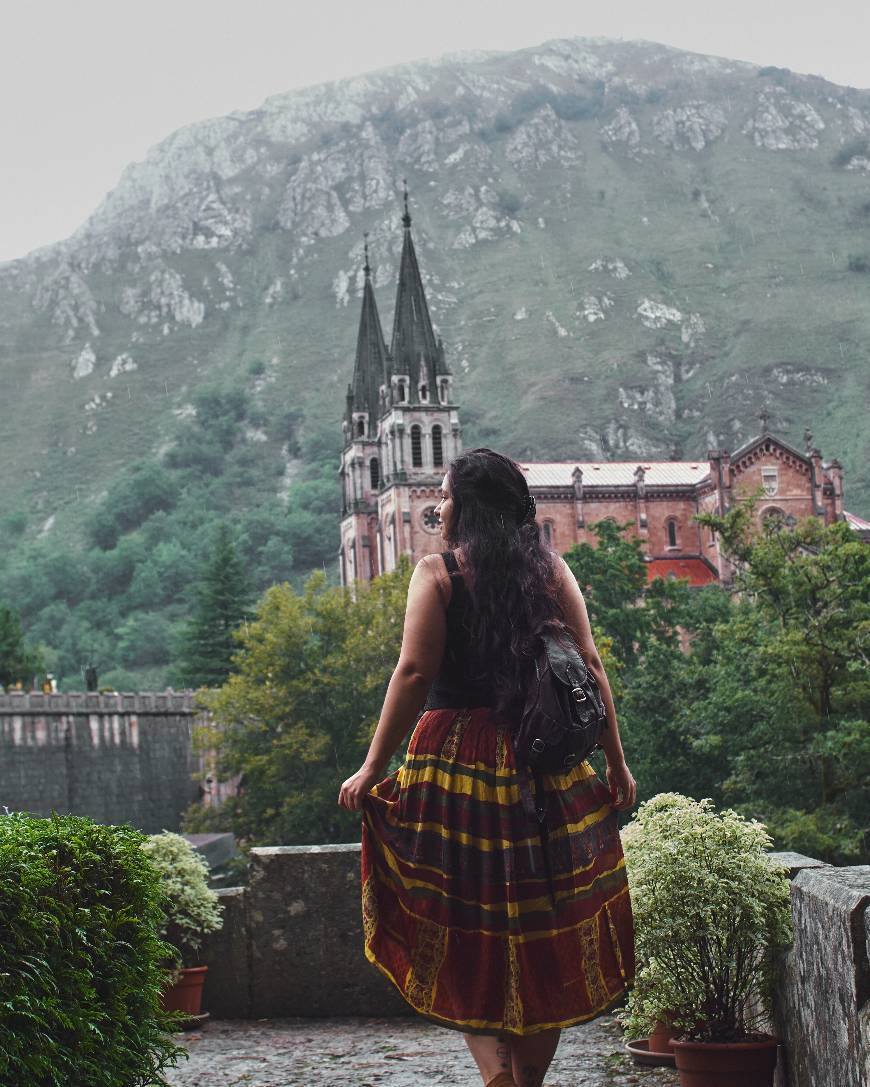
(512, 576)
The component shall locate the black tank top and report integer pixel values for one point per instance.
(454, 687)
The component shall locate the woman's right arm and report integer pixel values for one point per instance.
(622, 785)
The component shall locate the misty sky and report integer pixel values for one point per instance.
(88, 87)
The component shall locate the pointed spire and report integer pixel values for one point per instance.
(413, 348)
(406, 218)
(371, 351)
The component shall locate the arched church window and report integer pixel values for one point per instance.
(416, 446)
(444, 392)
(437, 447)
(548, 531)
(672, 532)
(374, 473)
(424, 392)
(360, 428)
(400, 391)
(773, 517)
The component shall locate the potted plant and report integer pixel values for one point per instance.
(712, 914)
(191, 911)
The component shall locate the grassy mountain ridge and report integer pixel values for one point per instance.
(626, 247)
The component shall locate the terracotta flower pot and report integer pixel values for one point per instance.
(186, 994)
(660, 1038)
(726, 1064)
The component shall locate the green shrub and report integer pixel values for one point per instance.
(191, 908)
(850, 150)
(14, 523)
(81, 969)
(712, 912)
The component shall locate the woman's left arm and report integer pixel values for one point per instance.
(419, 660)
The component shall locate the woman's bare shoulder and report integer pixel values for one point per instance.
(434, 568)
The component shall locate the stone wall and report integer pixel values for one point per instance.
(823, 1010)
(292, 941)
(292, 946)
(117, 758)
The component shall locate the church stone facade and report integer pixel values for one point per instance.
(402, 429)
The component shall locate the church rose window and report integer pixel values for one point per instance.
(430, 519)
(416, 447)
(374, 473)
(437, 447)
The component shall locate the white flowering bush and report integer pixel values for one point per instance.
(191, 908)
(712, 913)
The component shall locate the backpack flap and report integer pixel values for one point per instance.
(565, 661)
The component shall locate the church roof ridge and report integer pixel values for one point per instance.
(666, 473)
(742, 450)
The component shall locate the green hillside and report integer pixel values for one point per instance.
(626, 248)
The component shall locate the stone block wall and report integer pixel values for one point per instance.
(823, 996)
(292, 946)
(292, 941)
(116, 758)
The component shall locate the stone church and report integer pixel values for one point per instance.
(402, 429)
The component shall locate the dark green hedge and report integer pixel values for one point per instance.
(80, 961)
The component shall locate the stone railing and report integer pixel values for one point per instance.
(292, 943)
(35, 703)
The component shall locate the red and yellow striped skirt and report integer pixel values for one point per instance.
(485, 920)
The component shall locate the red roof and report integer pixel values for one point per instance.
(696, 570)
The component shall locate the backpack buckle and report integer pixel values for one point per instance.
(538, 745)
(579, 694)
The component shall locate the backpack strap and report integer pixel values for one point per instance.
(451, 563)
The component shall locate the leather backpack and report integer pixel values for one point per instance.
(564, 715)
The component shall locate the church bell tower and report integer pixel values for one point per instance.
(401, 430)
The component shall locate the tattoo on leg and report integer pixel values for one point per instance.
(503, 1052)
(532, 1075)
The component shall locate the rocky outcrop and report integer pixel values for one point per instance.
(694, 125)
(784, 123)
(622, 129)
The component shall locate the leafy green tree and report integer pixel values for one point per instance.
(666, 742)
(19, 661)
(207, 645)
(145, 638)
(789, 691)
(612, 576)
(138, 493)
(296, 716)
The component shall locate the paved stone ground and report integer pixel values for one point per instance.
(397, 1052)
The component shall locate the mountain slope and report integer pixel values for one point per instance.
(626, 247)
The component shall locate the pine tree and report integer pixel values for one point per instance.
(221, 604)
(18, 660)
